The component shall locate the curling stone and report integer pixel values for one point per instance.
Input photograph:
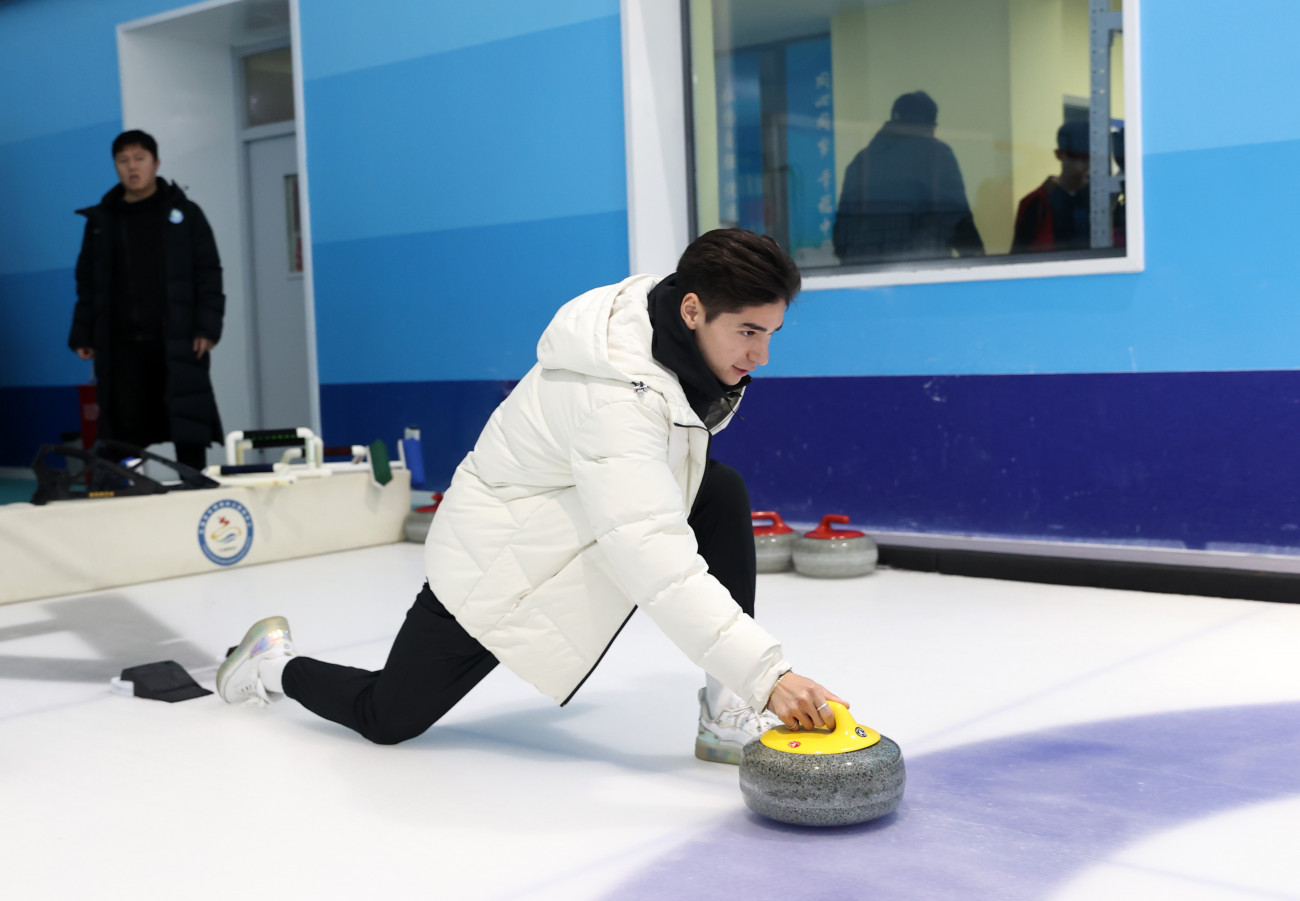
(417, 522)
(773, 543)
(830, 553)
(823, 777)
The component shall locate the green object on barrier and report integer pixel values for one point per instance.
(380, 469)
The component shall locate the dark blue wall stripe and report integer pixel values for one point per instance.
(451, 305)
(30, 417)
(1185, 459)
(450, 416)
(1189, 459)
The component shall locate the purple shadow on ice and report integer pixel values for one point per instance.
(1008, 819)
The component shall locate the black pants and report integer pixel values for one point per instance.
(138, 406)
(434, 662)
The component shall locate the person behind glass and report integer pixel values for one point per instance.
(1057, 214)
(903, 196)
(1119, 201)
(590, 493)
(149, 307)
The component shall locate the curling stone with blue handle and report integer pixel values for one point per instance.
(773, 543)
(823, 777)
(830, 553)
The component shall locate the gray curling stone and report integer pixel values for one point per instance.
(839, 777)
(773, 543)
(418, 520)
(830, 553)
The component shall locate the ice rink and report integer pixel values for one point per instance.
(1061, 743)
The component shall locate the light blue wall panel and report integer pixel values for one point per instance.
(460, 197)
(61, 110)
(1218, 294)
(58, 62)
(379, 34)
(35, 317)
(522, 129)
(1219, 74)
(461, 304)
(48, 179)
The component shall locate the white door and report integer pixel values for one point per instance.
(282, 393)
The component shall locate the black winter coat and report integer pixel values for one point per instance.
(904, 199)
(194, 309)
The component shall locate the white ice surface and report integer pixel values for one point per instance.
(105, 797)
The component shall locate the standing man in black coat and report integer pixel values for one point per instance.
(149, 307)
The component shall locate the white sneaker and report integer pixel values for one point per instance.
(722, 737)
(237, 679)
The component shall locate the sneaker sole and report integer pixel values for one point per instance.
(715, 752)
(229, 670)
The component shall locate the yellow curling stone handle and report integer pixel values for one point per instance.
(846, 736)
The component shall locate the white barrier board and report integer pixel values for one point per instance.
(65, 547)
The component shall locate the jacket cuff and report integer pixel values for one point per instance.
(765, 685)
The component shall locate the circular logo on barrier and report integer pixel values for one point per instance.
(226, 532)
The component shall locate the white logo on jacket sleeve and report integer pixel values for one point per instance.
(177, 217)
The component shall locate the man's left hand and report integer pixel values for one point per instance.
(202, 346)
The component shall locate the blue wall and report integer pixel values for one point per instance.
(466, 177)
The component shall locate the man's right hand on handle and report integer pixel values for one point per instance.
(801, 703)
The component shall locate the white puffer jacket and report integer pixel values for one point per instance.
(571, 511)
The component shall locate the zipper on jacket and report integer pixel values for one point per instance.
(598, 659)
(640, 386)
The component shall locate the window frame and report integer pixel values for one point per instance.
(660, 164)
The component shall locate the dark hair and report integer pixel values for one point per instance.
(1072, 138)
(135, 136)
(916, 108)
(731, 268)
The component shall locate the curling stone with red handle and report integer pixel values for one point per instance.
(830, 553)
(418, 520)
(773, 542)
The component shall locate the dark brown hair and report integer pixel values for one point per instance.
(731, 269)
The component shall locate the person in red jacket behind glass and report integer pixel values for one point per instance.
(1057, 214)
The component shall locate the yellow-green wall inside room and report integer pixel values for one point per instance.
(704, 102)
(954, 51)
(1050, 49)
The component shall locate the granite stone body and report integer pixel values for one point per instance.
(823, 789)
(773, 552)
(416, 526)
(835, 558)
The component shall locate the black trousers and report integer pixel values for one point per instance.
(434, 662)
(138, 406)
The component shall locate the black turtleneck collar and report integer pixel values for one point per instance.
(116, 197)
(674, 346)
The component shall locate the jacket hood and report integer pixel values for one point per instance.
(606, 333)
